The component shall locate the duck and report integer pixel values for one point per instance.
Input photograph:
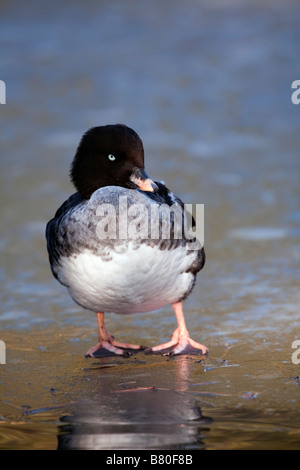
(119, 244)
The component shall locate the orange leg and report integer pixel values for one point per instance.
(108, 343)
(180, 343)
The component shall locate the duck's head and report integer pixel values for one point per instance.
(111, 155)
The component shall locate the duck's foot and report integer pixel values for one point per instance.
(179, 344)
(113, 348)
(108, 346)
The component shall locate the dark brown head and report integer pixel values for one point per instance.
(111, 155)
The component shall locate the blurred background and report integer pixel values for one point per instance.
(207, 86)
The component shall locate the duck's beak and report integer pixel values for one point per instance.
(140, 178)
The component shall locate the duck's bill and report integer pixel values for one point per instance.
(140, 179)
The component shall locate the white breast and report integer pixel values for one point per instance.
(141, 280)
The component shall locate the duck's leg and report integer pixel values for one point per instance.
(180, 343)
(107, 343)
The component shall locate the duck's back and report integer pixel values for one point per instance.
(120, 250)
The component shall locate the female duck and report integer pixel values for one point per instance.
(114, 243)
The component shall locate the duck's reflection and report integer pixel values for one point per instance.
(131, 417)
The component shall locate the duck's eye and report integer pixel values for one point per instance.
(111, 157)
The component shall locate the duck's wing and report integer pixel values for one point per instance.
(57, 244)
(165, 196)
